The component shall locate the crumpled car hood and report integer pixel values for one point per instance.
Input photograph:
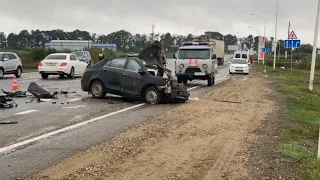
(148, 55)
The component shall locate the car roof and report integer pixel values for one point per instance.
(7, 53)
(195, 47)
(60, 54)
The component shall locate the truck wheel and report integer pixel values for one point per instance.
(209, 81)
(152, 95)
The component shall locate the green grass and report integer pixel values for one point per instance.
(27, 69)
(299, 143)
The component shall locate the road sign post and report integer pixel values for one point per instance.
(292, 43)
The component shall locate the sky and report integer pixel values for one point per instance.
(174, 16)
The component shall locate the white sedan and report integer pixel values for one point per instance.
(61, 64)
(239, 66)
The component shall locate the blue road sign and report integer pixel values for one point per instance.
(266, 50)
(292, 43)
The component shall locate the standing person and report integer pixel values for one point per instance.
(101, 56)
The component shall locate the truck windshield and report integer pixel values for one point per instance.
(79, 54)
(194, 53)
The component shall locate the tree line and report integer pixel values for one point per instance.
(125, 40)
(26, 40)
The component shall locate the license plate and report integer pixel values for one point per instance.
(199, 73)
(239, 70)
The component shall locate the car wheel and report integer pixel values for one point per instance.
(1, 73)
(71, 75)
(214, 80)
(18, 72)
(61, 76)
(210, 81)
(97, 89)
(152, 95)
(44, 76)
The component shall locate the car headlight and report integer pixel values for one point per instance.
(181, 66)
(205, 66)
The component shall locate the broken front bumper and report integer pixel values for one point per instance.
(175, 92)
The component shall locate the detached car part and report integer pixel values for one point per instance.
(40, 92)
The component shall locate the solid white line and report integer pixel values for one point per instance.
(73, 100)
(22, 143)
(26, 112)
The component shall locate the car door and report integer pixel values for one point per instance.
(131, 79)
(112, 73)
(75, 64)
(80, 64)
(6, 63)
(12, 61)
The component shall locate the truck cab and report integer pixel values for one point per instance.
(195, 60)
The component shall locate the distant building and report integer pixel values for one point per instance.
(74, 45)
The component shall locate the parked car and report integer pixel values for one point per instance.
(10, 63)
(84, 55)
(239, 66)
(129, 77)
(61, 64)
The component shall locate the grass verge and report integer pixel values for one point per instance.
(300, 140)
(28, 69)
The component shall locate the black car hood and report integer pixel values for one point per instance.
(148, 55)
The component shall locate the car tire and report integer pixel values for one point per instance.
(214, 80)
(1, 73)
(71, 75)
(185, 81)
(97, 89)
(18, 72)
(209, 80)
(44, 76)
(61, 76)
(152, 95)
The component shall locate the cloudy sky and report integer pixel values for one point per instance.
(175, 16)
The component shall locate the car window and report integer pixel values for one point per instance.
(244, 56)
(12, 56)
(133, 66)
(118, 63)
(56, 57)
(72, 58)
(237, 56)
(5, 56)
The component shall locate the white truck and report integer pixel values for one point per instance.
(216, 45)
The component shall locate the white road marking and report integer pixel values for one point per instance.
(73, 100)
(26, 112)
(22, 143)
(45, 100)
(74, 107)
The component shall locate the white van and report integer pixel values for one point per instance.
(241, 55)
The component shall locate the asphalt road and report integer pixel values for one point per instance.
(48, 132)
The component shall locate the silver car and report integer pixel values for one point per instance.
(10, 63)
(84, 56)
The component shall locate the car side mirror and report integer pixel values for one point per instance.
(214, 56)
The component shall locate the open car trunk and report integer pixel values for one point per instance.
(174, 92)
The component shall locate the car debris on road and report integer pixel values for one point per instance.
(7, 102)
(15, 93)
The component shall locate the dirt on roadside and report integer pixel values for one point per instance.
(210, 138)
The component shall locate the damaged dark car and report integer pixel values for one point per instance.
(129, 77)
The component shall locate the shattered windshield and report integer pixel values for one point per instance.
(194, 53)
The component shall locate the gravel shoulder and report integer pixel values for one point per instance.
(209, 138)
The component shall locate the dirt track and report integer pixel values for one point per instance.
(206, 139)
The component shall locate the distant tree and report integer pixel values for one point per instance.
(230, 39)
(3, 40)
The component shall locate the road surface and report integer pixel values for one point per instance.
(48, 132)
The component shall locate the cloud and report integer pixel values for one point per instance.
(175, 16)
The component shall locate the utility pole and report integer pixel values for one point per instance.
(152, 37)
(314, 54)
(275, 39)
